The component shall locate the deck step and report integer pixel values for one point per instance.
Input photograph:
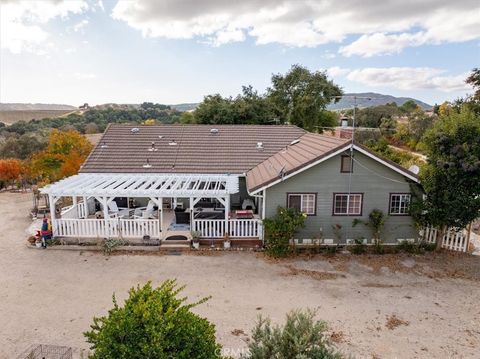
(174, 247)
(180, 242)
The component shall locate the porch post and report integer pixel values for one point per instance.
(105, 216)
(85, 206)
(160, 216)
(51, 201)
(227, 211)
(190, 201)
(264, 202)
(75, 205)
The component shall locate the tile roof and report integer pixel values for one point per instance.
(232, 150)
(310, 148)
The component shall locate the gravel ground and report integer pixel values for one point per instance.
(392, 306)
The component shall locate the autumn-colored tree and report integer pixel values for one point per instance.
(65, 153)
(10, 170)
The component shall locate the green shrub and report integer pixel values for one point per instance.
(111, 243)
(280, 229)
(409, 247)
(359, 247)
(153, 323)
(301, 337)
(376, 222)
(428, 247)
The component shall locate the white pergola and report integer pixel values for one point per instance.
(144, 185)
(106, 187)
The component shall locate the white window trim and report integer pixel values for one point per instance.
(301, 195)
(335, 213)
(390, 207)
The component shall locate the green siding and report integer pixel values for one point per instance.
(325, 179)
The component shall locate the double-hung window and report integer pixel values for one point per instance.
(304, 202)
(345, 204)
(399, 204)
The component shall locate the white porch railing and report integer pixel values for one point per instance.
(237, 228)
(209, 228)
(92, 228)
(135, 228)
(82, 210)
(452, 240)
(244, 228)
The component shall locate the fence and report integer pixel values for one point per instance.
(452, 240)
(237, 228)
(42, 351)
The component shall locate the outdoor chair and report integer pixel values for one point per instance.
(114, 211)
(145, 212)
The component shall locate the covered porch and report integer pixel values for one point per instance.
(136, 206)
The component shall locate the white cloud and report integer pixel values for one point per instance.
(439, 28)
(21, 22)
(336, 71)
(80, 26)
(384, 27)
(84, 76)
(409, 78)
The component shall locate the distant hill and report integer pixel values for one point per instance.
(184, 107)
(35, 107)
(376, 99)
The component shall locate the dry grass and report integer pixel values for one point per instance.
(318, 275)
(394, 322)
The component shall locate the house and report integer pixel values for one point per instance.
(162, 181)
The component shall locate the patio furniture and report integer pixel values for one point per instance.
(182, 217)
(244, 214)
(248, 204)
(145, 212)
(114, 211)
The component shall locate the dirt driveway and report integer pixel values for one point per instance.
(382, 307)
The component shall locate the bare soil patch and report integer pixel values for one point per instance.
(51, 296)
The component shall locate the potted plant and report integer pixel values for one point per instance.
(227, 243)
(196, 239)
(38, 243)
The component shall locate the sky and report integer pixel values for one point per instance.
(178, 51)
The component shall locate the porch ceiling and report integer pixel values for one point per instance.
(144, 185)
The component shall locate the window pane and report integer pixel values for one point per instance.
(308, 203)
(399, 203)
(346, 164)
(343, 206)
(295, 201)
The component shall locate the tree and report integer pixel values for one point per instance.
(187, 117)
(301, 337)
(300, 96)
(91, 127)
(21, 147)
(451, 178)
(409, 106)
(474, 80)
(153, 323)
(65, 153)
(10, 170)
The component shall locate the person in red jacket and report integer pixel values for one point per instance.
(46, 232)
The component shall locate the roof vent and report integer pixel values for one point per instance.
(104, 145)
(214, 131)
(135, 130)
(160, 137)
(172, 143)
(259, 146)
(294, 142)
(152, 147)
(147, 164)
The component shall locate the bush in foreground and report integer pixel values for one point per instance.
(301, 337)
(153, 323)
